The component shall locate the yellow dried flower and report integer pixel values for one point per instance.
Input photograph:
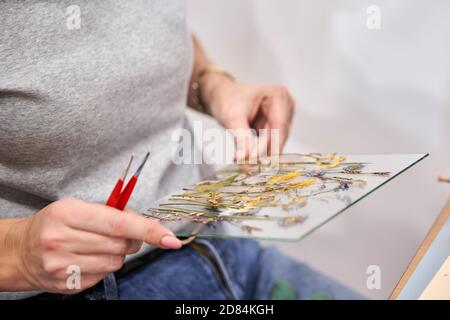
(302, 184)
(284, 177)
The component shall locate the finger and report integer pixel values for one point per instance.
(98, 263)
(83, 242)
(279, 119)
(260, 121)
(245, 139)
(241, 132)
(261, 124)
(246, 143)
(134, 246)
(59, 265)
(263, 141)
(101, 219)
(276, 138)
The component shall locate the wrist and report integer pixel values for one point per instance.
(210, 85)
(206, 85)
(12, 233)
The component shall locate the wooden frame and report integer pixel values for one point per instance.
(434, 231)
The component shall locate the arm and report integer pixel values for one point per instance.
(10, 277)
(240, 106)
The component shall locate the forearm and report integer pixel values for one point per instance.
(201, 59)
(11, 278)
(208, 82)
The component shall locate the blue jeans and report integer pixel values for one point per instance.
(222, 269)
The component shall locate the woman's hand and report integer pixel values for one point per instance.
(249, 106)
(70, 232)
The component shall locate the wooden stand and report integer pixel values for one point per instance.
(437, 226)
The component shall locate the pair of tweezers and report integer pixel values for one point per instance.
(119, 198)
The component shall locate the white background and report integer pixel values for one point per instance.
(358, 91)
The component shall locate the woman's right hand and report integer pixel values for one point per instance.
(93, 237)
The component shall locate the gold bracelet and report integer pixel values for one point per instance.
(195, 87)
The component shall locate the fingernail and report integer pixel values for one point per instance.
(170, 242)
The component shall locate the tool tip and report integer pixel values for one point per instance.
(125, 171)
(141, 166)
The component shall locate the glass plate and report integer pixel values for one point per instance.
(282, 200)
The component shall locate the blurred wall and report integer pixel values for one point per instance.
(358, 91)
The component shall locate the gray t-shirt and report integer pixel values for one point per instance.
(75, 103)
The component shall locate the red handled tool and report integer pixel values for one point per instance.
(119, 198)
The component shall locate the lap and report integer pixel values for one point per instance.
(227, 269)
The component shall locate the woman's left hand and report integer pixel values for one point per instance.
(240, 106)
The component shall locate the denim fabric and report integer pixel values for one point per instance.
(251, 272)
(230, 269)
(110, 287)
